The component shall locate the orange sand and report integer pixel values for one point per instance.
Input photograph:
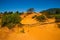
(32, 32)
(43, 32)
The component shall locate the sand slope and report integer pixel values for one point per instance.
(32, 32)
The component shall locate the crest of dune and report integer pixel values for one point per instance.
(28, 19)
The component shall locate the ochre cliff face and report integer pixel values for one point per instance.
(32, 32)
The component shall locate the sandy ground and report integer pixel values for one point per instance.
(34, 32)
(43, 32)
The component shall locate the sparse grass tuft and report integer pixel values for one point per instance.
(22, 31)
(58, 25)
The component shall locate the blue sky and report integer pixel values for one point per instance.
(23, 5)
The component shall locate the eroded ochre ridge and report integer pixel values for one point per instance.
(32, 30)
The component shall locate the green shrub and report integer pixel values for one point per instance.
(50, 16)
(41, 18)
(57, 17)
(10, 20)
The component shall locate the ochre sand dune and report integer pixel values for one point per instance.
(35, 32)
